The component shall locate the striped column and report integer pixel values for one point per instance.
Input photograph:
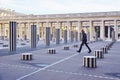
(33, 36)
(47, 36)
(89, 61)
(12, 36)
(57, 36)
(65, 36)
(26, 56)
(99, 54)
(104, 49)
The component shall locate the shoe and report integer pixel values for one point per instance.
(89, 51)
(78, 51)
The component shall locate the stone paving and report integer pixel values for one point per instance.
(64, 65)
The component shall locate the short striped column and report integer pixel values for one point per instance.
(104, 49)
(51, 51)
(108, 47)
(89, 61)
(26, 56)
(12, 36)
(5, 45)
(75, 45)
(99, 54)
(66, 47)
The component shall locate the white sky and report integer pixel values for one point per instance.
(60, 6)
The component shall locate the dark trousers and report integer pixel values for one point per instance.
(84, 42)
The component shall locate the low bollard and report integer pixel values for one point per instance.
(89, 61)
(75, 45)
(66, 47)
(104, 50)
(26, 56)
(99, 54)
(51, 51)
(5, 45)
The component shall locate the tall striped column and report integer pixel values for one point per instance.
(12, 36)
(47, 36)
(57, 36)
(65, 36)
(33, 36)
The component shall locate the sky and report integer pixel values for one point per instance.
(39, 7)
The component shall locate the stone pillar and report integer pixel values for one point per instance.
(38, 31)
(0, 30)
(57, 36)
(3, 31)
(116, 29)
(28, 31)
(12, 36)
(102, 30)
(33, 36)
(65, 36)
(69, 25)
(108, 32)
(76, 36)
(113, 35)
(71, 36)
(91, 31)
(80, 34)
(20, 31)
(25, 31)
(79, 30)
(47, 40)
(60, 30)
(42, 31)
(52, 35)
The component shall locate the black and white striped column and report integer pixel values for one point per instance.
(89, 61)
(71, 36)
(99, 54)
(65, 36)
(57, 36)
(47, 36)
(104, 50)
(33, 36)
(12, 36)
(76, 36)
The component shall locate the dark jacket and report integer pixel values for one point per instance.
(84, 37)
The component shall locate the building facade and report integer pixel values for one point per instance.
(97, 25)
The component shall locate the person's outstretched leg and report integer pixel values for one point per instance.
(80, 47)
(88, 47)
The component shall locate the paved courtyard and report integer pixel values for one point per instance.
(64, 65)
